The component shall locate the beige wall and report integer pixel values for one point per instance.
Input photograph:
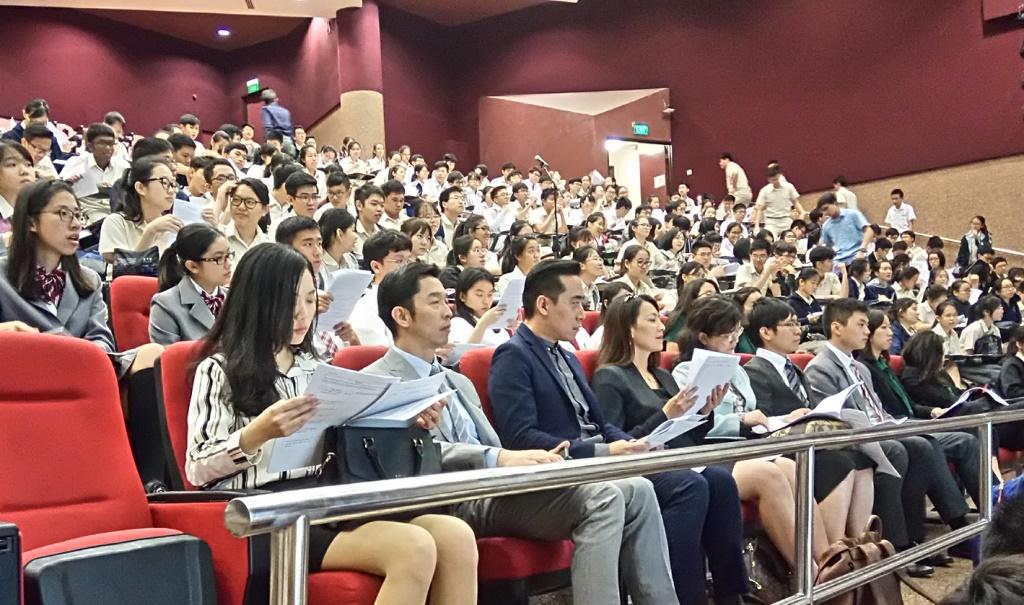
(360, 115)
(947, 198)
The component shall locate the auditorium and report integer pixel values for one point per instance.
(511, 302)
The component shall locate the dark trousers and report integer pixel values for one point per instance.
(889, 495)
(964, 451)
(928, 474)
(702, 517)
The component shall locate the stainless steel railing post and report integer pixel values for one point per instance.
(985, 443)
(804, 542)
(289, 548)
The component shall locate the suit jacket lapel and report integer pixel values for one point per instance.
(69, 301)
(195, 304)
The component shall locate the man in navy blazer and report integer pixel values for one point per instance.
(541, 398)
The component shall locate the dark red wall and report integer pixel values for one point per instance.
(85, 65)
(870, 88)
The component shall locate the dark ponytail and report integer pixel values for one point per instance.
(191, 245)
(140, 172)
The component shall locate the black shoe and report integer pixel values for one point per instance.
(917, 570)
(939, 559)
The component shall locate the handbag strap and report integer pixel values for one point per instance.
(417, 446)
(370, 447)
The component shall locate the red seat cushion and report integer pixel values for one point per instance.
(175, 391)
(358, 357)
(588, 359)
(130, 296)
(668, 360)
(512, 558)
(801, 360)
(112, 537)
(343, 588)
(744, 358)
(591, 319)
(476, 366)
(896, 363)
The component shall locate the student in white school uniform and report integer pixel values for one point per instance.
(369, 210)
(339, 195)
(475, 316)
(900, 215)
(94, 171)
(338, 232)
(194, 274)
(990, 311)
(383, 252)
(436, 252)
(37, 140)
(248, 201)
(15, 173)
(378, 159)
(521, 254)
(310, 161)
(303, 198)
(438, 182)
(639, 232)
(141, 224)
(241, 403)
(452, 203)
(394, 205)
(353, 163)
(845, 197)
(735, 179)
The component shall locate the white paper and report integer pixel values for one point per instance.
(188, 211)
(730, 269)
(833, 404)
(460, 349)
(512, 298)
(85, 186)
(400, 416)
(709, 370)
(346, 286)
(951, 410)
(975, 295)
(401, 393)
(342, 395)
(672, 428)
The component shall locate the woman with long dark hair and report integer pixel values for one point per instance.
(474, 316)
(522, 253)
(689, 292)
(467, 252)
(43, 286)
(255, 364)
(194, 274)
(977, 236)
(143, 222)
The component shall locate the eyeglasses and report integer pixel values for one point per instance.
(220, 259)
(66, 215)
(223, 178)
(643, 263)
(337, 194)
(789, 324)
(248, 202)
(168, 184)
(307, 197)
(38, 148)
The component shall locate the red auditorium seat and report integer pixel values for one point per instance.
(668, 360)
(130, 296)
(588, 359)
(475, 365)
(744, 358)
(357, 358)
(591, 319)
(896, 363)
(801, 360)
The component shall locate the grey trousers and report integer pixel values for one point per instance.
(615, 527)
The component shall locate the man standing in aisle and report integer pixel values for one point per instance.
(736, 182)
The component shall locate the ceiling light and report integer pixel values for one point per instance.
(223, 32)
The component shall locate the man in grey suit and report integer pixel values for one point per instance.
(613, 525)
(923, 470)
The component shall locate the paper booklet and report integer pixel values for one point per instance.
(709, 370)
(346, 286)
(355, 399)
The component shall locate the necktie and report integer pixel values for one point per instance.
(52, 284)
(795, 385)
(213, 302)
(454, 417)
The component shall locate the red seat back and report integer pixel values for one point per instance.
(66, 470)
(591, 319)
(744, 358)
(668, 360)
(130, 296)
(588, 359)
(357, 358)
(801, 360)
(896, 363)
(475, 365)
(174, 388)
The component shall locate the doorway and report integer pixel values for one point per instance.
(642, 166)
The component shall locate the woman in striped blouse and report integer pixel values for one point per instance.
(256, 362)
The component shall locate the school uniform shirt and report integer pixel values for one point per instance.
(461, 330)
(328, 265)
(742, 188)
(950, 342)
(433, 189)
(448, 227)
(119, 232)
(537, 217)
(506, 278)
(214, 458)
(415, 188)
(899, 218)
(237, 245)
(367, 323)
(437, 255)
(376, 164)
(657, 259)
(974, 331)
(902, 292)
(85, 165)
(361, 236)
(350, 166)
(386, 222)
(846, 198)
(777, 201)
(828, 287)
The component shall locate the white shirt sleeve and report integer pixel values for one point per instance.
(116, 233)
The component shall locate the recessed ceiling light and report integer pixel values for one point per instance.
(223, 32)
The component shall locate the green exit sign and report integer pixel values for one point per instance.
(252, 86)
(641, 129)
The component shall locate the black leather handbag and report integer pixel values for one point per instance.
(135, 262)
(353, 454)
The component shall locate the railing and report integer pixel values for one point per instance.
(288, 515)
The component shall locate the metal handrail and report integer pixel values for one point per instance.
(288, 515)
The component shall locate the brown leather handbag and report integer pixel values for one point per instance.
(852, 554)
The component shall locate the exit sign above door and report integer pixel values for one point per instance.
(641, 129)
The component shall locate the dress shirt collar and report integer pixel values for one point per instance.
(779, 361)
(844, 358)
(6, 209)
(421, 367)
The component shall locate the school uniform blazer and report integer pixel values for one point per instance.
(532, 409)
(827, 376)
(179, 314)
(900, 337)
(81, 317)
(774, 397)
(455, 456)
(1011, 377)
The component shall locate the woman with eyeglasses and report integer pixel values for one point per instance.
(640, 231)
(634, 270)
(143, 222)
(248, 202)
(476, 225)
(438, 252)
(194, 274)
(467, 253)
(43, 285)
(15, 173)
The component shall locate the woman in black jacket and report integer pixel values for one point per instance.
(976, 237)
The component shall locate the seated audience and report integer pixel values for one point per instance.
(338, 232)
(880, 287)
(1006, 290)
(982, 336)
(634, 271)
(639, 232)
(437, 254)
(142, 223)
(746, 298)
(591, 270)
(475, 316)
(689, 293)
(609, 294)
(831, 286)
(903, 323)
(256, 363)
(15, 173)
(194, 274)
(522, 253)
(906, 284)
(248, 204)
(805, 305)
(933, 296)
(369, 209)
(537, 408)
(383, 253)
(615, 526)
